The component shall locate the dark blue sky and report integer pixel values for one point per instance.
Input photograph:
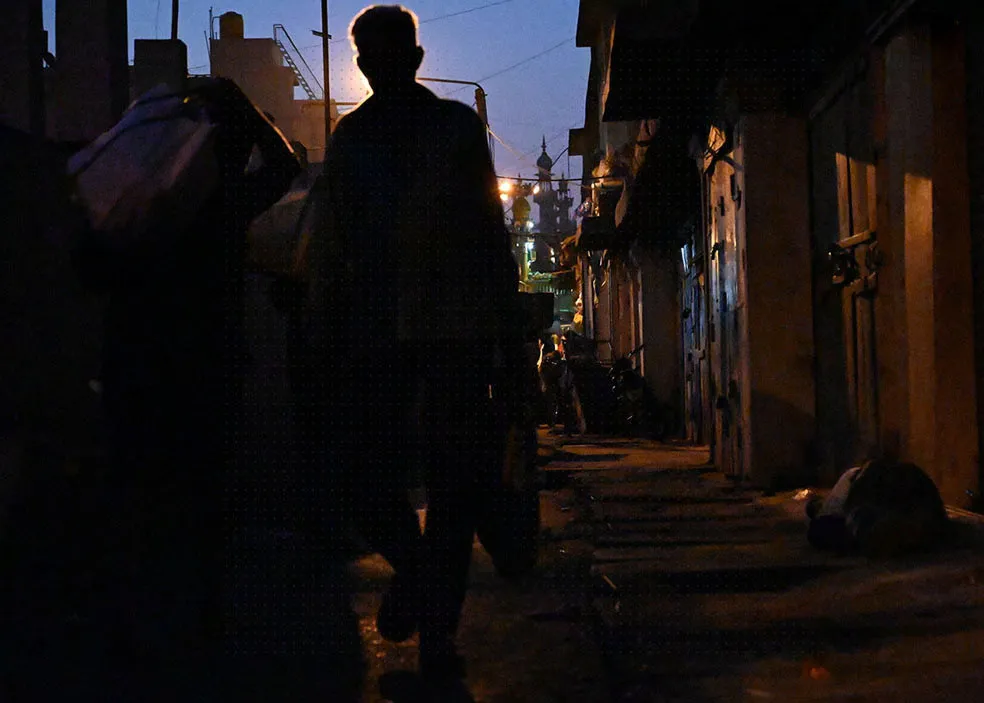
(542, 96)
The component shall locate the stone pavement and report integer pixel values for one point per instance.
(524, 642)
(706, 590)
(662, 580)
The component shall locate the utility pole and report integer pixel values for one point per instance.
(325, 38)
(36, 47)
(174, 19)
(480, 106)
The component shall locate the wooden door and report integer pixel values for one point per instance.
(727, 333)
(845, 276)
(694, 340)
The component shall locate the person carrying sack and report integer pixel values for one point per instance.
(173, 361)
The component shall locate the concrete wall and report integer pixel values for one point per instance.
(626, 309)
(974, 63)
(660, 317)
(90, 81)
(157, 61)
(929, 210)
(890, 304)
(956, 457)
(256, 66)
(20, 56)
(52, 328)
(603, 315)
(777, 297)
(309, 126)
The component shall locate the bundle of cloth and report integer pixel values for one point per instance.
(881, 508)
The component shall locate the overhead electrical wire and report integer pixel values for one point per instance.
(549, 141)
(513, 151)
(429, 19)
(465, 12)
(524, 157)
(517, 64)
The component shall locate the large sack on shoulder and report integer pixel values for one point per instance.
(276, 237)
(150, 174)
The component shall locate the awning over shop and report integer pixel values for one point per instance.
(664, 195)
(658, 69)
(668, 58)
(581, 142)
(595, 233)
(654, 207)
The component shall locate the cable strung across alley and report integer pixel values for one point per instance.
(517, 64)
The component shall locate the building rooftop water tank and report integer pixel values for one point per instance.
(231, 26)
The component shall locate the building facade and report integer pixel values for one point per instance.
(268, 69)
(830, 295)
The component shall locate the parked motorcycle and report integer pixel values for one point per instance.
(590, 381)
(638, 412)
(560, 393)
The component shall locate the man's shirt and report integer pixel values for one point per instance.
(413, 239)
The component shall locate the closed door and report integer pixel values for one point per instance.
(846, 280)
(725, 270)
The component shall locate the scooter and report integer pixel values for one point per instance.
(637, 409)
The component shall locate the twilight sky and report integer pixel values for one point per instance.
(542, 96)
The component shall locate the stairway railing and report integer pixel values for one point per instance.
(294, 60)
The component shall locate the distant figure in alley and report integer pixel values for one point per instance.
(414, 298)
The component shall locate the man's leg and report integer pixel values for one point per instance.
(447, 549)
(379, 506)
(461, 419)
(374, 434)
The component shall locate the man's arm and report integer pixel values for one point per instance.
(495, 245)
(245, 126)
(483, 195)
(327, 262)
(278, 170)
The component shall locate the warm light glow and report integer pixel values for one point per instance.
(862, 211)
(503, 197)
(716, 138)
(505, 187)
(356, 76)
(536, 189)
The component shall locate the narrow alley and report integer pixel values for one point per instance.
(724, 259)
(662, 580)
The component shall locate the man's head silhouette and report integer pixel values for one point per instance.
(385, 37)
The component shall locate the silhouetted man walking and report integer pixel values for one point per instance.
(414, 297)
